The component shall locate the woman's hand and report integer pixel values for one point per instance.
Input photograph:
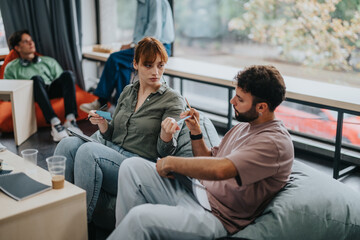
(193, 122)
(168, 128)
(95, 119)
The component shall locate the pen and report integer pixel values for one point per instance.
(187, 102)
(101, 108)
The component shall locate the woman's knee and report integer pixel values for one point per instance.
(67, 145)
(87, 152)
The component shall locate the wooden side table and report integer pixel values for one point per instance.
(55, 214)
(20, 93)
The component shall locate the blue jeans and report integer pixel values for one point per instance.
(117, 73)
(92, 166)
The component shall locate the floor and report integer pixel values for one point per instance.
(42, 141)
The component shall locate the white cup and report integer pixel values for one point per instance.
(30, 157)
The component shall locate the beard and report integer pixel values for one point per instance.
(248, 116)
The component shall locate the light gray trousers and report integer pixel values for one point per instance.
(151, 207)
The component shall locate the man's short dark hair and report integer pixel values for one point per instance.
(264, 83)
(15, 38)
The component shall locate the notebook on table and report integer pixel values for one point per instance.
(20, 186)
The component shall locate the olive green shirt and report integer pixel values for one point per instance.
(139, 132)
(47, 68)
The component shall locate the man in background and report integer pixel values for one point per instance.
(153, 19)
(50, 81)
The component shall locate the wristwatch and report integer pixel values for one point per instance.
(132, 45)
(196, 137)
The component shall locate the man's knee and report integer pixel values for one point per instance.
(68, 77)
(131, 164)
(142, 217)
(38, 81)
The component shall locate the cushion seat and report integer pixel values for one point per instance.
(311, 206)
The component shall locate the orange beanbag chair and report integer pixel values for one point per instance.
(6, 123)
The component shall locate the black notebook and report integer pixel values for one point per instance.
(20, 186)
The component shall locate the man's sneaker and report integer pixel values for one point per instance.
(58, 132)
(73, 126)
(87, 107)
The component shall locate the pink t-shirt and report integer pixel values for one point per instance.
(263, 155)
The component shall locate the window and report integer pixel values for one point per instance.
(317, 40)
(126, 13)
(117, 20)
(3, 40)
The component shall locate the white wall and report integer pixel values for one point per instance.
(88, 21)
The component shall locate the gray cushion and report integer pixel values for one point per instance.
(104, 213)
(311, 206)
(208, 130)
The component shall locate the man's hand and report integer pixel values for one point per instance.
(95, 119)
(193, 122)
(168, 128)
(163, 167)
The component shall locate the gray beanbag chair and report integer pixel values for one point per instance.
(311, 206)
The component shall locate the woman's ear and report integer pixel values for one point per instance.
(135, 65)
